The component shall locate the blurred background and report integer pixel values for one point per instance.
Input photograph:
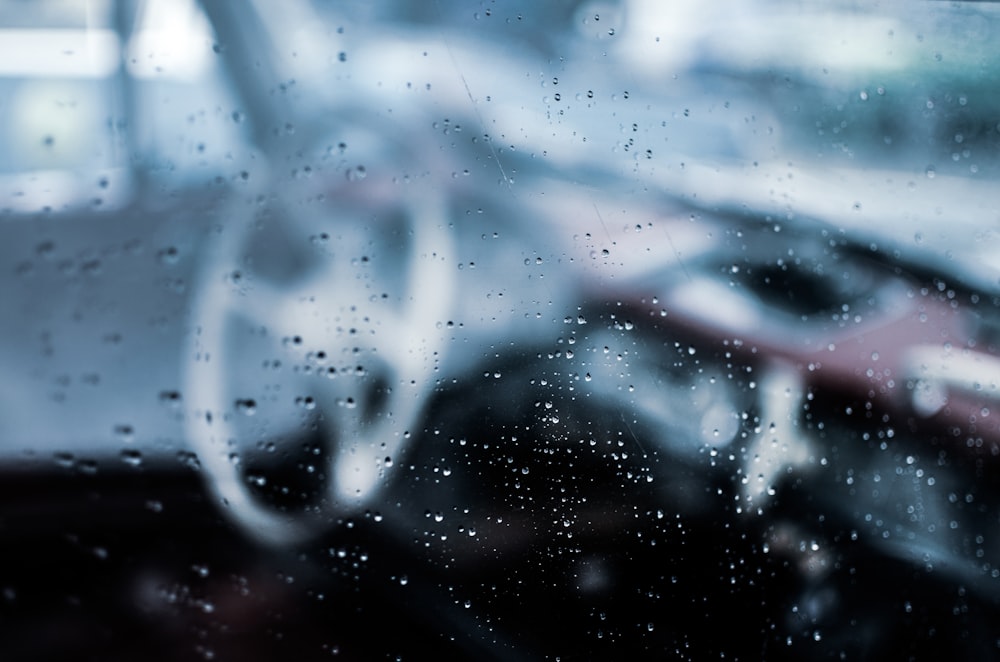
(499, 330)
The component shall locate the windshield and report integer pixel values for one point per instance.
(499, 330)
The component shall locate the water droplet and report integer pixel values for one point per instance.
(170, 398)
(46, 249)
(169, 255)
(189, 459)
(246, 406)
(931, 172)
(125, 432)
(132, 457)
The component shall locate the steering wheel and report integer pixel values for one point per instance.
(318, 317)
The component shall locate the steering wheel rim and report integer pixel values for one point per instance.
(370, 415)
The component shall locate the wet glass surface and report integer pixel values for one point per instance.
(503, 330)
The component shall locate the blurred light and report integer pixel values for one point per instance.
(675, 36)
(66, 53)
(718, 306)
(174, 40)
(55, 124)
